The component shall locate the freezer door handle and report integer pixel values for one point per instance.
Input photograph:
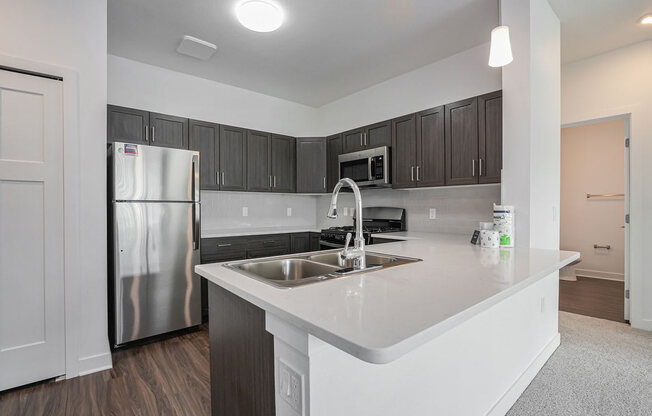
(196, 225)
(195, 177)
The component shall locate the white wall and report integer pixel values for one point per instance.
(593, 161)
(460, 76)
(72, 34)
(613, 83)
(531, 106)
(134, 84)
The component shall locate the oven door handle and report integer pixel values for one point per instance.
(329, 244)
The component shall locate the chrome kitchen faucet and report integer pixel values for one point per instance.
(357, 254)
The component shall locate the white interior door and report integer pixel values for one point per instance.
(32, 338)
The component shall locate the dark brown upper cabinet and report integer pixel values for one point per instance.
(418, 143)
(333, 150)
(353, 140)
(404, 152)
(490, 115)
(462, 142)
(168, 131)
(368, 137)
(259, 178)
(233, 158)
(283, 165)
(204, 138)
(127, 125)
(431, 147)
(311, 164)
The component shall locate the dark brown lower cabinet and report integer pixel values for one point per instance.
(242, 357)
(300, 242)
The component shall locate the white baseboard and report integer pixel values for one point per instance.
(597, 274)
(95, 363)
(511, 396)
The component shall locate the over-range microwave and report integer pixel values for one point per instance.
(369, 167)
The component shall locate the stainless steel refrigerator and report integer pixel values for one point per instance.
(155, 233)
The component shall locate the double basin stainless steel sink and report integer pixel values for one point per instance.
(302, 269)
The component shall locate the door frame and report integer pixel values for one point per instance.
(73, 273)
(626, 117)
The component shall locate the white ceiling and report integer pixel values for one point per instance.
(328, 49)
(591, 27)
(325, 50)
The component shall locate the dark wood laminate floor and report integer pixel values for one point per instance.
(593, 297)
(170, 377)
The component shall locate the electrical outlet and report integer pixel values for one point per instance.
(433, 213)
(345, 211)
(352, 211)
(288, 212)
(290, 386)
(245, 211)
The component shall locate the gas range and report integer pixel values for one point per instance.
(375, 220)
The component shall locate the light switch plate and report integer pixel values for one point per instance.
(433, 213)
(288, 212)
(290, 385)
(245, 211)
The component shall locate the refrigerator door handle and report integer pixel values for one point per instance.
(195, 178)
(196, 225)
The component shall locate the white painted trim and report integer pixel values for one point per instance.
(597, 274)
(73, 275)
(510, 397)
(94, 363)
(595, 120)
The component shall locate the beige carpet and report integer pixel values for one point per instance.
(600, 368)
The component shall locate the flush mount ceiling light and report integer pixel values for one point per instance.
(646, 20)
(259, 15)
(500, 53)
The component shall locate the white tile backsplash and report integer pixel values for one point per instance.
(458, 209)
(224, 210)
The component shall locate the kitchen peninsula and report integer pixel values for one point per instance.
(421, 338)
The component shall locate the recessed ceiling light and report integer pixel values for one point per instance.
(646, 20)
(259, 15)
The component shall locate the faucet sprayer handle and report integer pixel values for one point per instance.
(347, 241)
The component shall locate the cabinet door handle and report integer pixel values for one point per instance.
(365, 138)
(324, 182)
(417, 173)
(223, 183)
(153, 139)
(480, 167)
(146, 133)
(361, 140)
(224, 245)
(473, 168)
(274, 181)
(412, 173)
(217, 177)
(270, 181)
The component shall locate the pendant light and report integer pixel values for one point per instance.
(500, 53)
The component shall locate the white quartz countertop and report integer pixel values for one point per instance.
(210, 233)
(382, 315)
(405, 235)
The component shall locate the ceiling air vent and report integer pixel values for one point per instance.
(196, 48)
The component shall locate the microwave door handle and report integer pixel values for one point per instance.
(370, 168)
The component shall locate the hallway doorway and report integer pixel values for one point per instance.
(594, 182)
